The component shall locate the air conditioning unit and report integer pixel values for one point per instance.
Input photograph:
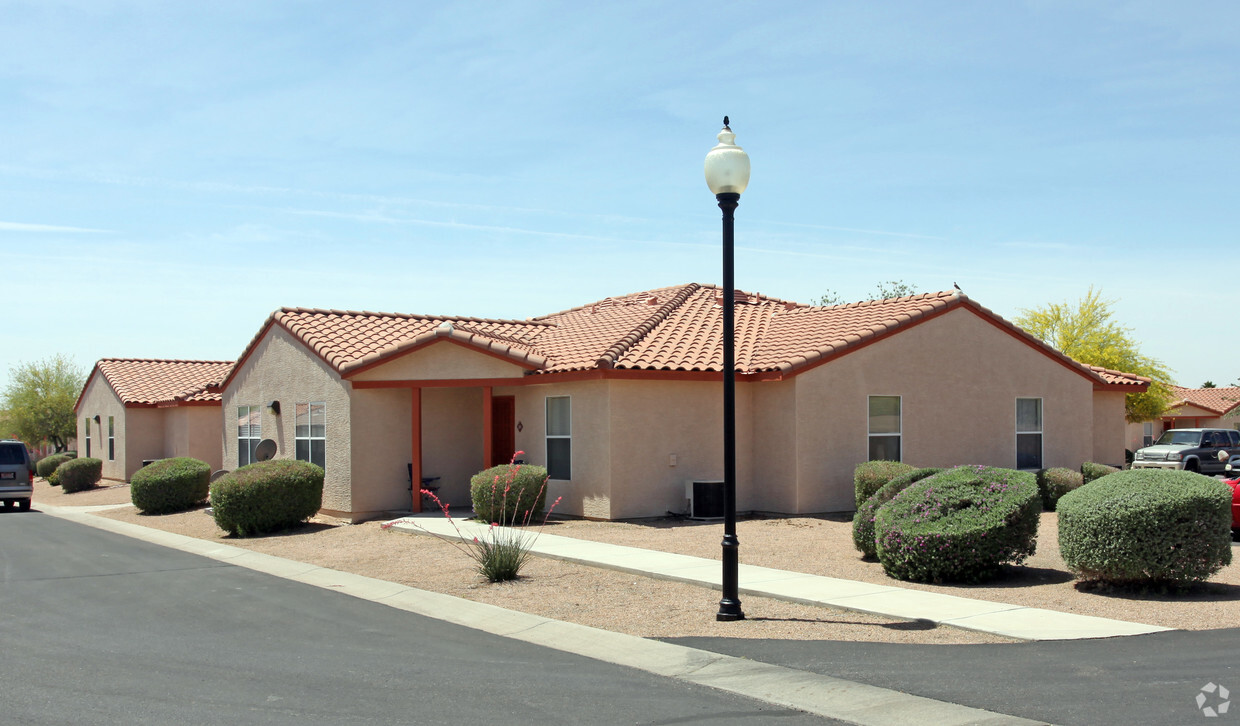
(705, 499)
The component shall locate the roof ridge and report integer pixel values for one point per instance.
(940, 295)
(619, 348)
(413, 316)
(162, 360)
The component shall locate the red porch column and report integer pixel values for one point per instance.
(488, 429)
(415, 475)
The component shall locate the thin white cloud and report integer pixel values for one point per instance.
(23, 227)
(883, 233)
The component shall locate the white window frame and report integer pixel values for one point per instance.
(898, 435)
(88, 437)
(1041, 432)
(309, 438)
(111, 438)
(548, 436)
(1147, 433)
(244, 437)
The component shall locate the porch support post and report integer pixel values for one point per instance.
(488, 429)
(415, 475)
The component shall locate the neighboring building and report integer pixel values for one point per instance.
(135, 409)
(1192, 408)
(621, 399)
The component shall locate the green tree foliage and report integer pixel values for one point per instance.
(1209, 384)
(1086, 331)
(882, 291)
(38, 401)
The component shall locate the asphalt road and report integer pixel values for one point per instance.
(97, 628)
(1146, 679)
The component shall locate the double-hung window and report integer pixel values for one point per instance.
(249, 433)
(1028, 433)
(310, 434)
(87, 436)
(559, 438)
(1147, 433)
(111, 438)
(885, 428)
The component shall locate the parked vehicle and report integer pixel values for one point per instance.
(1234, 483)
(16, 475)
(1202, 450)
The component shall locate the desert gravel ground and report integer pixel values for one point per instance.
(655, 608)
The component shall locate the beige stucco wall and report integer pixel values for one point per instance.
(1110, 428)
(99, 399)
(195, 431)
(442, 360)
(775, 447)
(144, 437)
(589, 491)
(281, 369)
(452, 445)
(959, 378)
(382, 444)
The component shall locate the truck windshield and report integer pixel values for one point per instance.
(1179, 437)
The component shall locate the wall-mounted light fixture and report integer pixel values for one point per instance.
(97, 419)
(275, 407)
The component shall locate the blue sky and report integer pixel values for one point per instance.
(174, 172)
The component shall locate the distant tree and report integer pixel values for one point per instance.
(882, 291)
(1086, 331)
(38, 401)
(1209, 384)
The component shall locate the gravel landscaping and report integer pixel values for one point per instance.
(654, 608)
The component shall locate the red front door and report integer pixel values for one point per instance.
(503, 429)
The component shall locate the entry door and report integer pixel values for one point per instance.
(503, 429)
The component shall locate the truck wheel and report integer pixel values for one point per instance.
(1191, 466)
(24, 505)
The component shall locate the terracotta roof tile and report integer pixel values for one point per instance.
(676, 328)
(148, 381)
(1222, 400)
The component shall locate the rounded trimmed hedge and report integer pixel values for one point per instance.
(863, 520)
(1092, 470)
(1147, 526)
(1056, 482)
(48, 464)
(78, 475)
(961, 525)
(509, 493)
(170, 485)
(267, 496)
(870, 476)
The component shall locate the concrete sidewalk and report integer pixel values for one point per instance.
(1013, 621)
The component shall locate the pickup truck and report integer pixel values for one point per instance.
(1190, 449)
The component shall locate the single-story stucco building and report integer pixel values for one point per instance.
(136, 409)
(621, 399)
(1193, 408)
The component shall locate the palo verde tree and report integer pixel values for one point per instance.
(38, 400)
(882, 291)
(1086, 331)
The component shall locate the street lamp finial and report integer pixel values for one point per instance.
(725, 123)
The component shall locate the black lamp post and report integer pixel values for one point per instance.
(727, 175)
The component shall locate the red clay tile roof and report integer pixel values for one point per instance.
(669, 329)
(1221, 400)
(151, 382)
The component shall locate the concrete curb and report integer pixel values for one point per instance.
(833, 698)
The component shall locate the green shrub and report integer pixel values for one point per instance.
(870, 476)
(1091, 471)
(509, 493)
(54, 478)
(863, 520)
(1147, 526)
(78, 475)
(48, 464)
(1056, 482)
(267, 496)
(960, 525)
(170, 485)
